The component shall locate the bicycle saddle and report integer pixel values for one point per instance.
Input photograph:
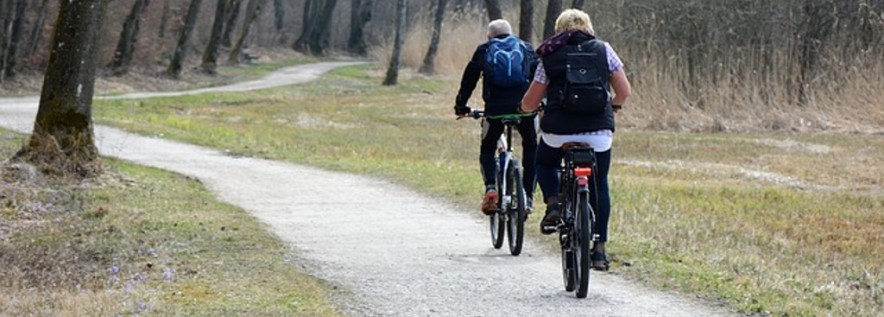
(570, 146)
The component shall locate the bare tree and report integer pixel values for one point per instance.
(63, 141)
(493, 7)
(578, 4)
(164, 19)
(253, 10)
(18, 23)
(428, 66)
(6, 17)
(126, 44)
(526, 20)
(314, 38)
(360, 14)
(553, 9)
(210, 55)
(232, 15)
(393, 71)
(279, 14)
(174, 69)
(37, 28)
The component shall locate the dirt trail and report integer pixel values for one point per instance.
(397, 252)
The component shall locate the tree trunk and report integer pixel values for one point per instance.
(174, 69)
(63, 141)
(279, 14)
(316, 27)
(307, 26)
(126, 44)
(253, 10)
(15, 38)
(493, 7)
(360, 14)
(320, 42)
(393, 70)
(428, 66)
(6, 11)
(37, 29)
(210, 55)
(526, 20)
(552, 13)
(6, 17)
(164, 19)
(232, 16)
(578, 4)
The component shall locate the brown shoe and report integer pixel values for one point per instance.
(489, 203)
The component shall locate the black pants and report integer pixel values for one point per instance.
(491, 133)
(549, 159)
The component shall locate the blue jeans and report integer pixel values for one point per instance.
(549, 161)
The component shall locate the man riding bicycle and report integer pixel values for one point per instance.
(571, 59)
(506, 65)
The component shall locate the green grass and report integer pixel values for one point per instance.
(141, 241)
(786, 224)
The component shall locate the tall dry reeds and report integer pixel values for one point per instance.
(720, 65)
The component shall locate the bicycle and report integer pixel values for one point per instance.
(578, 216)
(510, 215)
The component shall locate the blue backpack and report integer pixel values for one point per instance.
(505, 62)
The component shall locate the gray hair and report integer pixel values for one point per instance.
(499, 27)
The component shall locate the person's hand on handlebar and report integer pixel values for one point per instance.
(461, 110)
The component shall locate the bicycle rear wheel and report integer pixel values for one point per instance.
(582, 241)
(515, 220)
(569, 262)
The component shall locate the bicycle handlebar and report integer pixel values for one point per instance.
(477, 114)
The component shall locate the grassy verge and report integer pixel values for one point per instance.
(786, 224)
(140, 241)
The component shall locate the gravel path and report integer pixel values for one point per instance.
(397, 252)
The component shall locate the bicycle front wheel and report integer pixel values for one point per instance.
(515, 220)
(582, 241)
(497, 225)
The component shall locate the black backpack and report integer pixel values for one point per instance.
(586, 89)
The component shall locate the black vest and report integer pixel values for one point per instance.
(555, 120)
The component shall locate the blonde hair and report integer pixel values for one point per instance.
(498, 27)
(574, 20)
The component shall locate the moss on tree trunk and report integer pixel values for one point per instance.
(63, 141)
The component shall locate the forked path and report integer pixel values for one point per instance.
(395, 251)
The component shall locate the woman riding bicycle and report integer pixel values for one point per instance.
(575, 44)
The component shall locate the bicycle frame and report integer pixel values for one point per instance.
(505, 160)
(512, 204)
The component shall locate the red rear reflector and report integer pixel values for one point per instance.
(583, 181)
(583, 171)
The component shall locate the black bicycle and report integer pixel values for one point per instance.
(578, 218)
(510, 215)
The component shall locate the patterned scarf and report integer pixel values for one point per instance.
(556, 42)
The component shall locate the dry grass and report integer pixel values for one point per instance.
(137, 241)
(739, 93)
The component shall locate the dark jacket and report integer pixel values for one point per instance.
(555, 120)
(497, 100)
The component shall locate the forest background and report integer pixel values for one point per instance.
(746, 65)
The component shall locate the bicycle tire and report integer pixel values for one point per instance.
(497, 225)
(583, 241)
(569, 264)
(515, 219)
